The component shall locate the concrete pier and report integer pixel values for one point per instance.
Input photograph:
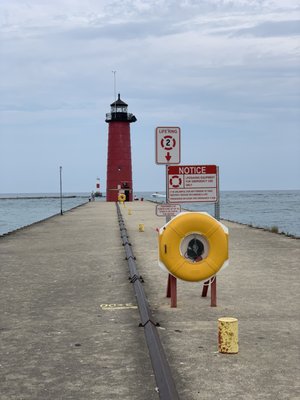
(69, 323)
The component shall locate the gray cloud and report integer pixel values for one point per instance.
(272, 29)
(123, 31)
(217, 68)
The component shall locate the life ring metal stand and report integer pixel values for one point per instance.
(172, 290)
(193, 247)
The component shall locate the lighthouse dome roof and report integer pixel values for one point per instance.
(119, 102)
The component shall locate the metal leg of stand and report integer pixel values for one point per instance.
(213, 292)
(205, 288)
(173, 287)
(172, 290)
(168, 287)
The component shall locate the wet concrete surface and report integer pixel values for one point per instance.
(69, 326)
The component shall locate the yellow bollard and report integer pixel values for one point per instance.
(129, 211)
(141, 228)
(228, 335)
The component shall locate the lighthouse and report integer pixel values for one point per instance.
(119, 169)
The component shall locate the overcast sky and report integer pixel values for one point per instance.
(225, 71)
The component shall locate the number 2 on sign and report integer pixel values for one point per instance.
(168, 142)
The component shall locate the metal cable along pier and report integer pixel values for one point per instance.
(164, 380)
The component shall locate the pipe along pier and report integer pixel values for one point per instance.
(163, 376)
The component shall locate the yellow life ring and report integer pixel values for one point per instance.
(121, 197)
(193, 246)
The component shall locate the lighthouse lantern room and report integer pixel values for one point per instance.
(119, 168)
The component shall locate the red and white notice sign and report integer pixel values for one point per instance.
(167, 145)
(192, 183)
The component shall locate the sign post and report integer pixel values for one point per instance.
(60, 186)
(168, 152)
(217, 203)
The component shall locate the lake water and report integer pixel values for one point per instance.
(264, 209)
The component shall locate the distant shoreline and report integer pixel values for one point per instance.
(42, 197)
(263, 228)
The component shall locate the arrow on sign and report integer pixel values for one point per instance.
(168, 157)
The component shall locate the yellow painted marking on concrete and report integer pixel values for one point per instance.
(141, 227)
(126, 306)
(228, 335)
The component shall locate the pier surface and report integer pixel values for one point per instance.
(69, 322)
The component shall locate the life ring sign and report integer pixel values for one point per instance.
(121, 197)
(193, 246)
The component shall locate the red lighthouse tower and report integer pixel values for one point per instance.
(119, 170)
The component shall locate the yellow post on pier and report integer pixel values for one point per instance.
(228, 335)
